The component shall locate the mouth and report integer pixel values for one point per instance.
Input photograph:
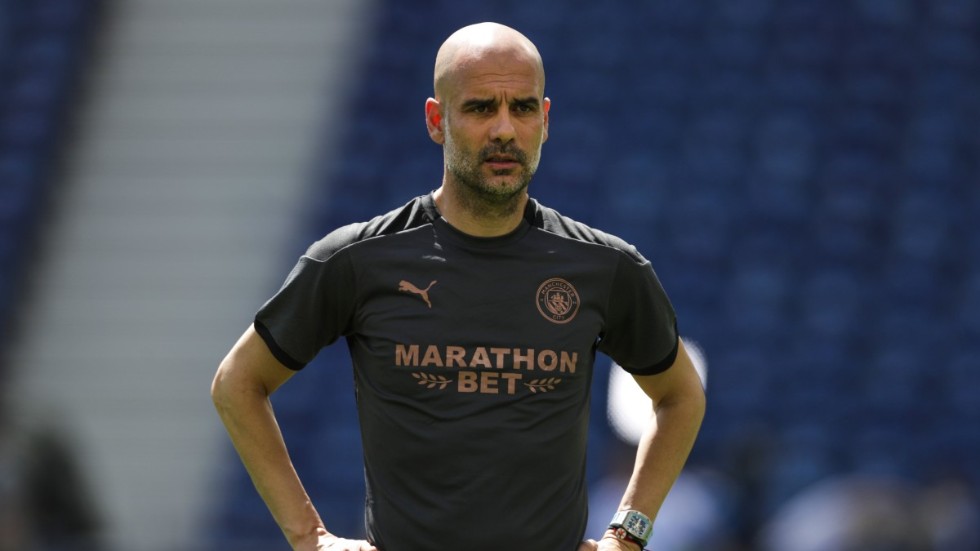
(501, 161)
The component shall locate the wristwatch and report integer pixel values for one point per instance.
(632, 526)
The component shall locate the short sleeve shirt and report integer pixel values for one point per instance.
(473, 362)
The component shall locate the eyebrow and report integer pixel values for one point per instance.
(530, 101)
(478, 102)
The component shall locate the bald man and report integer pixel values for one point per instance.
(473, 315)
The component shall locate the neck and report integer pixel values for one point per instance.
(475, 216)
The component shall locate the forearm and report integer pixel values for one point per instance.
(663, 451)
(247, 415)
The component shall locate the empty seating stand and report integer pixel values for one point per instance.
(43, 45)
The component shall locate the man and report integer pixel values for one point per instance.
(473, 315)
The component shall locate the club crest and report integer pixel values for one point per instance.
(557, 300)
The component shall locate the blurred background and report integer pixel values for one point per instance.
(803, 174)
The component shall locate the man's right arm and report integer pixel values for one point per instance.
(246, 378)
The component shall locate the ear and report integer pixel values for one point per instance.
(433, 120)
(545, 107)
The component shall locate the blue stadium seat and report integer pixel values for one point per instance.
(785, 147)
(747, 14)
(799, 462)
(954, 13)
(699, 224)
(640, 183)
(41, 44)
(959, 381)
(884, 91)
(921, 224)
(804, 15)
(662, 88)
(887, 12)
(28, 128)
(64, 16)
(728, 88)
(743, 384)
(951, 47)
(833, 303)
(756, 301)
(965, 306)
(6, 28)
(893, 380)
(665, 50)
(674, 15)
(882, 449)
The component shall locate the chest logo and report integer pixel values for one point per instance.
(557, 300)
(408, 287)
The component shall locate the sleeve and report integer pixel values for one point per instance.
(313, 308)
(640, 331)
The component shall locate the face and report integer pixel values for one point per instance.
(491, 122)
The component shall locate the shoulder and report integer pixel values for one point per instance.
(551, 221)
(413, 214)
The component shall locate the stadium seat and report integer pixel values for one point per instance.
(41, 45)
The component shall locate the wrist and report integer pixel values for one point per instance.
(631, 526)
(308, 539)
(633, 545)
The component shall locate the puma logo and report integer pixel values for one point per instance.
(409, 288)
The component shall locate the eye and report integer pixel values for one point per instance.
(525, 108)
(479, 107)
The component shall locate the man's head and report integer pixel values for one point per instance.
(489, 111)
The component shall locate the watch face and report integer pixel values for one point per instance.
(636, 525)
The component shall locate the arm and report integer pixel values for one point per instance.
(678, 408)
(246, 378)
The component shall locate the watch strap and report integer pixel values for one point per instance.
(632, 526)
(621, 534)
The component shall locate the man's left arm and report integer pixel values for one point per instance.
(678, 401)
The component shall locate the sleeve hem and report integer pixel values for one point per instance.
(662, 365)
(276, 350)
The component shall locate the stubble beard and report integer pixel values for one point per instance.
(478, 193)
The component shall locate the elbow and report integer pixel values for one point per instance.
(221, 386)
(234, 387)
(700, 399)
(218, 384)
(696, 403)
(694, 396)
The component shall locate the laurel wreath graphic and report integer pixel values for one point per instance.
(432, 381)
(542, 385)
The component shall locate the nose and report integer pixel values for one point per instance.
(502, 129)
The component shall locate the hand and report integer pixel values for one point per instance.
(615, 544)
(607, 543)
(331, 542)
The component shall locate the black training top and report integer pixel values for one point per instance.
(473, 363)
